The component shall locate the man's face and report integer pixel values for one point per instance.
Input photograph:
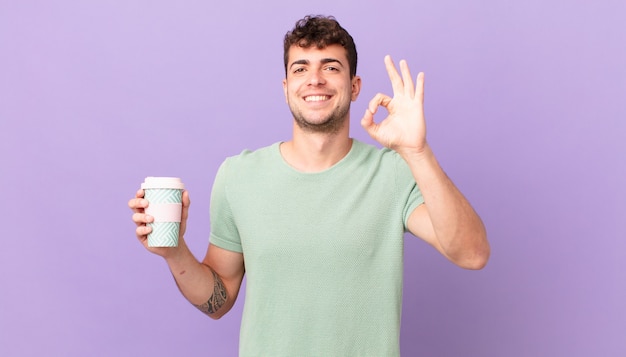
(318, 88)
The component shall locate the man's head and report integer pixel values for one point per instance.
(320, 32)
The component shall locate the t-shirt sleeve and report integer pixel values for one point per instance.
(224, 233)
(408, 191)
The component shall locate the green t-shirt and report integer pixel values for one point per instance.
(322, 251)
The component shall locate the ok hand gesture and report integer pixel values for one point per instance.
(404, 129)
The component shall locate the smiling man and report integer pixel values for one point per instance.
(317, 222)
(319, 88)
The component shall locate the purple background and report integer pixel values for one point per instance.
(525, 104)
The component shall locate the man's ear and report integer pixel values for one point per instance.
(356, 87)
(285, 89)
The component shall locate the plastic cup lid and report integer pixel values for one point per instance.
(162, 182)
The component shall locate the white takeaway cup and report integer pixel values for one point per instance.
(164, 195)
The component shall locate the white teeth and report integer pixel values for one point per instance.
(315, 98)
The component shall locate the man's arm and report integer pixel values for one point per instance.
(446, 220)
(213, 285)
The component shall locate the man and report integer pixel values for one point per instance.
(319, 220)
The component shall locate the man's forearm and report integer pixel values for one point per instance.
(217, 299)
(458, 228)
(198, 283)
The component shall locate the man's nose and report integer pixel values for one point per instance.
(316, 78)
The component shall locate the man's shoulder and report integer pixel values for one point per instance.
(249, 159)
(372, 152)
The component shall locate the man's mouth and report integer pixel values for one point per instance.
(316, 98)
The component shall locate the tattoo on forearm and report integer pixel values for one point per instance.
(217, 299)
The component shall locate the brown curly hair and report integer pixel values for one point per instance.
(320, 31)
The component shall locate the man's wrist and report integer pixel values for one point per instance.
(416, 154)
(177, 255)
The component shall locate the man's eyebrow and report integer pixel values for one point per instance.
(302, 61)
(331, 60)
(323, 61)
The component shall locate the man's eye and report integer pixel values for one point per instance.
(331, 68)
(298, 70)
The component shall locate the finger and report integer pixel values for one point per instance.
(143, 231)
(186, 203)
(186, 200)
(368, 119)
(138, 204)
(141, 218)
(379, 99)
(140, 193)
(367, 122)
(407, 79)
(419, 86)
(396, 80)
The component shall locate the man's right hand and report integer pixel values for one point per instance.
(138, 205)
(212, 285)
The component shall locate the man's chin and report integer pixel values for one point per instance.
(322, 126)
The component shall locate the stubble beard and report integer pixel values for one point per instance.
(329, 125)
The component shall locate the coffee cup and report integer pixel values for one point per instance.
(164, 195)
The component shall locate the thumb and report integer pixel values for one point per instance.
(368, 119)
(185, 206)
(186, 201)
(367, 122)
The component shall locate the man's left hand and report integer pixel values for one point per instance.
(404, 129)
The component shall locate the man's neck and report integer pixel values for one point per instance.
(314, 152)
